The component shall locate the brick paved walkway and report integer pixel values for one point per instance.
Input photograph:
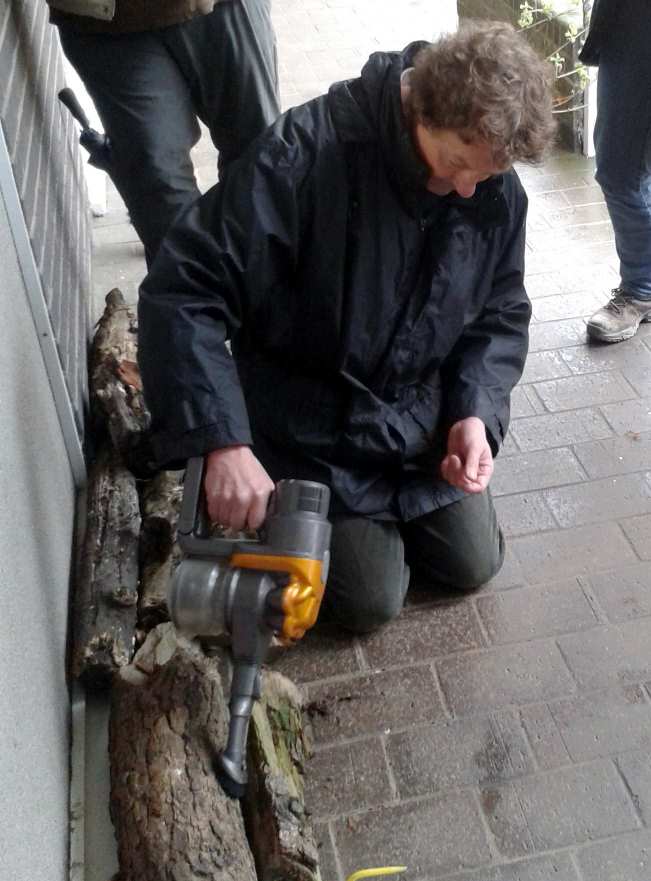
(505, 736)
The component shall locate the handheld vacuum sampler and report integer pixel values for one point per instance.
(244, 593)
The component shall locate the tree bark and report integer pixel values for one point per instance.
(117, 400)
(173, 822)
(159, 553)
(106, 591)
(279, 830)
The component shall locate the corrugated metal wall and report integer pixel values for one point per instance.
(48, 169)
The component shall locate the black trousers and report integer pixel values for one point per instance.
(460, 546)
(149, 88)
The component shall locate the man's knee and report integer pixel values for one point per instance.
(364, 613)
(470, 573)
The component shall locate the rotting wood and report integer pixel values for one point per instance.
(172, 820)
(278, 826)
(106, 589)
(117, 401)
(159, 553)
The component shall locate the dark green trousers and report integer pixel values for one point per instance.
(460, 546)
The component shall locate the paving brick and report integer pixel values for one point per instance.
(600, 500)
(622, 859)
(544, 365)
(566, 305)
(373, 704)
(428, 633)
(556, 334)
(618, 455)
(555, 239)
(577, 214)
(347, 778)
(544, 737)
(509, 576)
(624, 593)
(327, 860)
(603, 723)
(508, 447)
(543, 284)
(559, 429)
(638, 532)
(639, 376)
(636, 770)
(545, 183)
(533, 612)
(586, 390)
(508, 724)
(570, 806)
(536, 470)
(322, 653)
(553, 556)
(547, 202)
(626, 416)
(610, 655)
(520, 404)
(436, 836)
(506, 821)
(520, 674)
(522, 513)
(450, 755)
(592, 358)
(584, 195)
(578, 261)
(556, 868)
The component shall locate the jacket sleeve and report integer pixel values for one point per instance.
(488, 359)
(222, 257)
(603, 21)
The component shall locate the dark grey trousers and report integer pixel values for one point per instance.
(149, 88)
(460, 546)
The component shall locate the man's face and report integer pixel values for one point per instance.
(454, 165)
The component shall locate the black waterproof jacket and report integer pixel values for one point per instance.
(602, 22)
(366, 315)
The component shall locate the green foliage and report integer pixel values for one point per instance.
(534, 13)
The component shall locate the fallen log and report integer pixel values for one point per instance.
(173, 821)
(106, 589)
(159, 553)
(280, 833)
(117, 401)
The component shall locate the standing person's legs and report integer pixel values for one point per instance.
(623, 151)
(146, 109)
(229, 60)
(460, 545)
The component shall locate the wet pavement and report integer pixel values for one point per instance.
(503, 736)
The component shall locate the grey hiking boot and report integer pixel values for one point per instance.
(620, 318)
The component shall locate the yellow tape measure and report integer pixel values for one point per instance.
(375, 873)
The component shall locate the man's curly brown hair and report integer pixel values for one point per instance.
(486, 83)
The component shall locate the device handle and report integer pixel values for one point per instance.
(69, 100)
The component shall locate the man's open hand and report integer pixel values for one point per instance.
(469, 461)
(237, 488)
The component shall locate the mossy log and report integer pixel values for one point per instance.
(280, 832)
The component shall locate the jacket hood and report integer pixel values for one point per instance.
(369, 108)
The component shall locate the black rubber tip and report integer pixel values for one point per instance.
(232, 788)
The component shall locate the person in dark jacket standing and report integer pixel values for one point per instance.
(151, 69)
(365, 258)
(619, 42)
